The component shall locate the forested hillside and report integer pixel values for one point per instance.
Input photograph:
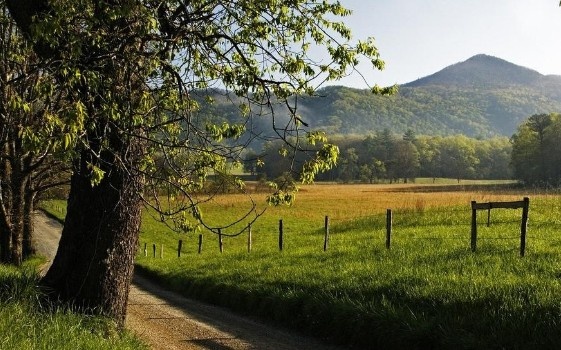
(481, 97)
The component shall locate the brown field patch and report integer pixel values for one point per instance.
(346, 202)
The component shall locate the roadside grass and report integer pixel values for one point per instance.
(428, 291)
(28, 322)
(54, 208)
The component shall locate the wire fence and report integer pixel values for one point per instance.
(434, 224)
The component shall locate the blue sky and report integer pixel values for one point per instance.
(419, 37)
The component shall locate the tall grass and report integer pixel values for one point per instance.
(28, 322)
(428, 291)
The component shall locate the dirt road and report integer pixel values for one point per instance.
(166, 320)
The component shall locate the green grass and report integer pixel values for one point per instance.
(55, 208)
(27, 322)
(428, 291)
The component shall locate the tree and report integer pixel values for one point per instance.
(535, 147)
(429, 155)
(409, 136)
(405, 160)
(372, 171)
(494, 158)
(538, 123)
(457, 157)
(128, 67)
(29, 138)
(251, 162)
(349, 165)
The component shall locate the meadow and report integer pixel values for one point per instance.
(427, 291)
(29, 322)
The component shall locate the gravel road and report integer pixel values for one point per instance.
(166, 320)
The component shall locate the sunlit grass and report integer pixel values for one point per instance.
(427, 291)
(29, 322)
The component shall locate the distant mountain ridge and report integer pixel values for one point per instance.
(483, 96)
(481, 70)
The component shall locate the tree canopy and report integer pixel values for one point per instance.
(31, 146)
(535, 150)
(127, 71)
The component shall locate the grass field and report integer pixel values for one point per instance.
(28, 323)
(428, 291)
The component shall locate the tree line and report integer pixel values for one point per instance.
(385, 157)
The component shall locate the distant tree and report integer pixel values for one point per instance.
(334, 124)
(409, 136)
(539, 123)
(552, 145)
(372, 171)
(535, 145)
(457, 158)
(386, 142)
(251, 162)
(406, 160)
(494, 158)
(349, 165)
(429, 155)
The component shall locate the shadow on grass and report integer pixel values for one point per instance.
(489, 188)
(19, 284)
(389, 317)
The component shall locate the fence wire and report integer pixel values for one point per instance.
(491, 227)
(455, 225)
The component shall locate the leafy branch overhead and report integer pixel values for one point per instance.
(136, 67)
(129, 71)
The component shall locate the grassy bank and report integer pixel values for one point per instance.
(428, 291)
(27, 322)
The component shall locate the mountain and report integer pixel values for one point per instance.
(481, 70)
(483, 96)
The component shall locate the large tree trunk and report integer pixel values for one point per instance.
(28, 229)
(94, 263)
(5, 232)
(12, 203)
(5, 240)
(18, 183)
(17, 214)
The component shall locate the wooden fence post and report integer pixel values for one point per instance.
(473, 226)
(200, 243)
(524, 226)
(249, 238)
(220, 242)
(281, 243)
(388, 228)
(179, 245)
(154, 249)
(326, 237)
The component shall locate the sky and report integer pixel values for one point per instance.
(419, 37)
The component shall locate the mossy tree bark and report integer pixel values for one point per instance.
(94, 263)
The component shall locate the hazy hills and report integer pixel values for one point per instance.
(482, 96)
